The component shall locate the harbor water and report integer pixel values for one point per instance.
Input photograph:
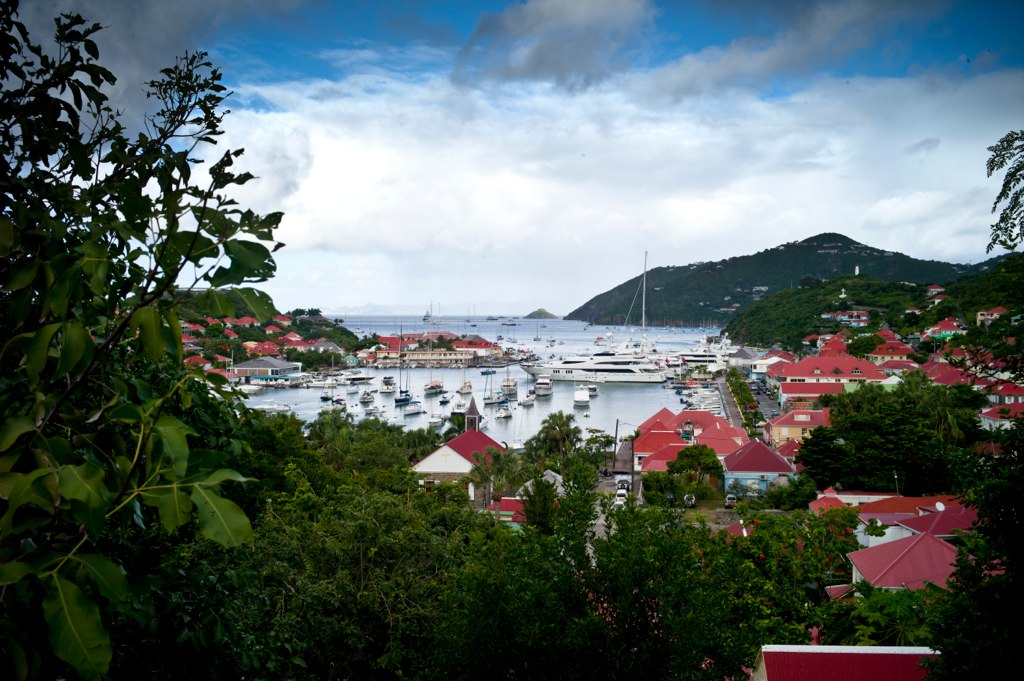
(615, 406)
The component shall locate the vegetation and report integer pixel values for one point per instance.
(716, 292)
(540, 313)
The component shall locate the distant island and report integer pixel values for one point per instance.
(540, 313)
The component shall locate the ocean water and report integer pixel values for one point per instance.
(616, 407)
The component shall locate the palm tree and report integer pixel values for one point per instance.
(557, 436)
(498, 473)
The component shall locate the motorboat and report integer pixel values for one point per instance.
(366, 397)
(414, 407)
(270, 407)
(527, 400)
(355, 377)
(543, 387)
(581, 397)
(388, 386)
(711, 354)
(436, 420)
(592, 389)
(623, 366)
(503, 413)
(487, 371)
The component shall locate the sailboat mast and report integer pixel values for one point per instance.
(643, 299)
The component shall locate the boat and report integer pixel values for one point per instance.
(487, 371)
(270, 407)
(605, 367)
(503, 413)
(436, 420)
(326, 395)
(460, 407)
(433, 387)
(592, 389)
(527, 401)
(387, 385)
(355, 377)
(466, 388)
(581, 397)
(444, 400)
(414, 407)
(543, 387)
(428, 317)
(366, 397)
(510, 387)
(372, 410)
(711, 354)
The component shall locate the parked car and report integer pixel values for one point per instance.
(689, 500)
(730, 500)
(618, 503)
(621, 494)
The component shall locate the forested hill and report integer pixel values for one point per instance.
(713, 292)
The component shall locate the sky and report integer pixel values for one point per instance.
(493, 157)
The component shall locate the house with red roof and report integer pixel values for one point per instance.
(841, 368)
(908, 563)
(899, 366)
(886, 334)
(935, 300)
(755, 467)
(794, 425)
(989, 316)
(659, 460)
(945, 522)
(648, 442)
(833, 347)
(1005, 392)
(282, 319)
(270, 329)
(1001, 416)
(912, 310)
(759, 367)
(840, 663)
(887, 350)
(806, 395)
(228, 333)
(945, 329)
(826, 501)
(193, 328)
(453, 461)
(197, 362)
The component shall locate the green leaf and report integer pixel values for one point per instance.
(172, 433)
(38, 351)
(173, 505)
(23, 490)
(14, 571)
(13, 428)
(76, 630)
(217, 303)
(105, 574)
(84, 484)
(217, 477)
(259, 302)
(76, 348)
(6, 236)
(147, 321)
(220, 519)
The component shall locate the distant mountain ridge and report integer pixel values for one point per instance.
(711, 293)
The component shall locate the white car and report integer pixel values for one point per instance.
(620, 495)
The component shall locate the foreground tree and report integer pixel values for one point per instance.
(99, 229)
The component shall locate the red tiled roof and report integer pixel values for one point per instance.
(896, 504)
(510, 506)
(832, 368)
(841, 663)
(802, 418)
(825, 503)
(943, 523)
(472, 441)
(789, 388)
(1004, 412)
(892, 349)
(653, 440)
(723, 445)
(659, 460)
(907, 563)
(756, 457)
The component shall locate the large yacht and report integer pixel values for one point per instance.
(606, 367)
(711, 353)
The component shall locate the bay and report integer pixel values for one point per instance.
(616, 406)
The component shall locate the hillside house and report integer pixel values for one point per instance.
(794, 425)
(840, 663)
(989, 316)
(889, 350)
(944, 330)
(908, 563)
(755, 467)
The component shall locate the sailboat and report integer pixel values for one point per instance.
(467, 386)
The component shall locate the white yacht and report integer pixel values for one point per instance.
(581, 397)
(601, 367)
(543, 387)
(710, 353)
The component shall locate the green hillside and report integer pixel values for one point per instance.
(789, 315)
(714, 292)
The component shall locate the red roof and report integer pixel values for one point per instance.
(653, 440)
(1006, 388)
(886, 335)
(907, 563)
(906, 504)
(1004, 412)
(831, 368)
(802, 418)
(757, 457)
(825, 503)
(834, 347)
(510, 506)
(811, 388)
(840, 663)
(892, 349)
(943, 523)
(659, 460)
(722, 444)
(470, 442)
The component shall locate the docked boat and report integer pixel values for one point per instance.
(711, 354)
(510, 387)
(355, 377)
(433, 387)
(601, 367)
(543, 387)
